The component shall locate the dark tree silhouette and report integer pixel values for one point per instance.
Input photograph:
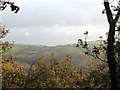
(110, 47)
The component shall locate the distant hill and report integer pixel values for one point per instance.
(27, 54)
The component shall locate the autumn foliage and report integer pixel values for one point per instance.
(56, 74)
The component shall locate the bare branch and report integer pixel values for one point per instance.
(29, 73)
(95, 56)
(117, 16)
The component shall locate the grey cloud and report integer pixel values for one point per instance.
(53, 35)
(49, 14)
(42, 36)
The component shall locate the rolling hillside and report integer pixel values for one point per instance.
(27, 54)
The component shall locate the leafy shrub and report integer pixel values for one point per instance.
(12, 74)
(55, 74)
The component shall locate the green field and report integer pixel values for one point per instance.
(27, 54)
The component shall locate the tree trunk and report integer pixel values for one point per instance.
(110, 47)
(111, 57)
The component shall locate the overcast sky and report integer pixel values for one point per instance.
(55, 22)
